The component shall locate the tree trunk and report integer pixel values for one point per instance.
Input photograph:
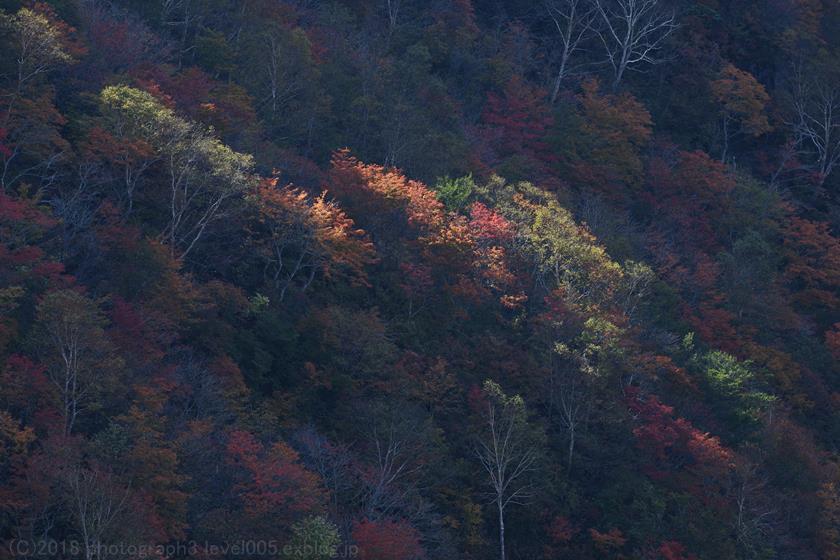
(501, 528)
(725, 153)
(571, 448)
(619, 74)
(560, 74)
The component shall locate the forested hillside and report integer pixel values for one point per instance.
(420, 279)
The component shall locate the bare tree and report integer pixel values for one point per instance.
(204, 175)
(393, 464)
(573, 406)
(76, 349)
(755, 514)
(38, 44)
(506, 452)
(332, 461)
(573, 20)
(28, 118)
(633, 32)
(787, 161)
(181, 17)
(816, 125)
(96, 502)
(636, 285)
(569, 394)
(393, 8)
(282, 70)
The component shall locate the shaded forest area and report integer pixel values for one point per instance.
(521, 279)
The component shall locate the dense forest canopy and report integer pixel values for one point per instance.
(404, 279)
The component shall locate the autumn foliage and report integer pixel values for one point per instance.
(420, 280)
